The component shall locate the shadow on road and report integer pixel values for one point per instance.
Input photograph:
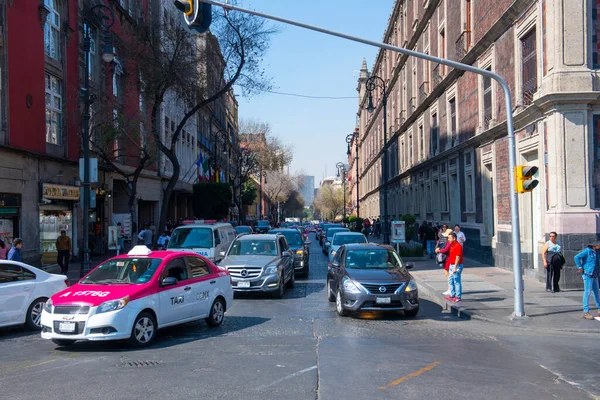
(427, 311)
(300, 291)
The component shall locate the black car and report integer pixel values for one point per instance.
(371, 277)
(323, 233)
(262, 226)
(299, 247)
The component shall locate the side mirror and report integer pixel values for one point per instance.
(410, 266)
(168, 281)
(286, 254)
(335, 264)
(222, 254)
(327, 244)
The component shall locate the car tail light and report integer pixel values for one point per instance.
(67, 282)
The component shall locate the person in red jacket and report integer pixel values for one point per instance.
(454, 265)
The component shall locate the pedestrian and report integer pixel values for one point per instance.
(455, 268)
(64, 249)
(421, 233)
(587, 264)
(460, 236)
(15, 252)
(377, 228)
(443, 252)
(146, 236)
(430, 239)
(442, 237)
(553, 262)
(4, 249)
(120, 238)
(163, 240)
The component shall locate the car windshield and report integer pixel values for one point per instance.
(293, 238)
(263, 223)
(372, 259)
(333, 231)
(243, 229)
(253, 247)
(341, 239)
(128, 271)
(192, 237)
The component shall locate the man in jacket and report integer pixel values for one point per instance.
(587, 264)
(15, 252)
(63, 247)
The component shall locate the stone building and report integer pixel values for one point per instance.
(447, 139)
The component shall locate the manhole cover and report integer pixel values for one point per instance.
(141, 363)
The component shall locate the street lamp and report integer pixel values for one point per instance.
(341, 167)
(354, 136)
(106, 21)
(262, 177)
(372, 83)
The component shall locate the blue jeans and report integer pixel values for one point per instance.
(590, 285)
(454, 280)
(431, 247)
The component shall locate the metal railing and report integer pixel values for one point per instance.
(487, 118)
(529, 89)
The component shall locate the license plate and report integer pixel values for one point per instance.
(243, 284)
(66, 327)
(383, 300)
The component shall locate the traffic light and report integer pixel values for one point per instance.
(197, 15)
(524, 181)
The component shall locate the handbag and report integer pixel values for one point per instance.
(440, 258)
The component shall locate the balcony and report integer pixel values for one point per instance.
(462, 45)
(423, 91)
(487, 118)
(436, 75)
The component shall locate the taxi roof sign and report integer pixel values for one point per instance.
(139, 250)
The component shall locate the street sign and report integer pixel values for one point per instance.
(93, 168)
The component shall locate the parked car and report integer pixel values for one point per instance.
(260, 263)
(371, 277)
(263, 226)
(329, 235)
(240, 229)
(299, 246)
(208, 240)
(342, 238)
(23, 292)
(131, 296)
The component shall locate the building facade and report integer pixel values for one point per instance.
(307, 189)
(447, 141)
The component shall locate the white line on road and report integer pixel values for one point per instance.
(285, 378)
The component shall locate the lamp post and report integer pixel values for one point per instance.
(341, 167)
(106, 21)
(372, 83)
(354, 136)
(263, 174)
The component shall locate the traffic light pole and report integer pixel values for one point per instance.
(512, 155)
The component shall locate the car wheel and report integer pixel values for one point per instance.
(217, 313)
(279, 293)
(63, 342)
(338, 305)
(33, 319)
(292, 282)
(143, 330)
(411, 313)
(330, 294)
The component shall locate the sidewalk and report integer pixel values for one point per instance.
(488, 295)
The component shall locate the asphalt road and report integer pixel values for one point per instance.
(298, 348)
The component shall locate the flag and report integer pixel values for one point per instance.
(199, 161)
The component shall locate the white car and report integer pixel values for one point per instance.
(131, 296)
(23, 292)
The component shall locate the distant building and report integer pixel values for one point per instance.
(307, 189)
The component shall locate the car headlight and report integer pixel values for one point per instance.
(48, 306)
(300, 252)
(350, 286)
(272, 270)
(411, 287)
(112, 305)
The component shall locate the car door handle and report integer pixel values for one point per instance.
(27, 288)
(213, 282)
(187, 288)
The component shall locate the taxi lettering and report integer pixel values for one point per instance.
(177, 300)
(93, 293)
(203, 296)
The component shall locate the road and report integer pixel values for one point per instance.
(298, 348)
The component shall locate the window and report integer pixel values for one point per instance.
(410, 151)
(175, 269)
(52, 30)
(197, 267)
(117, 79)
(442, 50)
(452, 113)
(53, 110)
(91, 31)
(444, 196)
(434, 134)
(529, 66)
(487, 101)
(421, 143)
(469, 191)
(14, 273)
(116, 142)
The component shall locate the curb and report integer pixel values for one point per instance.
(429, 293)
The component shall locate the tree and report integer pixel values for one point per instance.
(249, 193)
(198, 70)
(330, 201)
(294, 206)
(278, 188)
(211, 200)
(269, 153)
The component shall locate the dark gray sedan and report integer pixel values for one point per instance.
(371, 277)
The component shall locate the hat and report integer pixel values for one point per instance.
(447, 232)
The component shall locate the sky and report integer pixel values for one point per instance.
(310, 63)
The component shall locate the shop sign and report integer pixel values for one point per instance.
(60, 192)
(10, 200)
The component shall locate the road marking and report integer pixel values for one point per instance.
(285, 378)
(28, 366)
(409, 376)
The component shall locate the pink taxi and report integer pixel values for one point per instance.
(131, 296)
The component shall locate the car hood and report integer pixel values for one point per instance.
(258, 261)
(94, 295)
(378, 275)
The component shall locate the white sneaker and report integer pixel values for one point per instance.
(446, 293)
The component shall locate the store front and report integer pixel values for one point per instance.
(56, 215)
(10, 209)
